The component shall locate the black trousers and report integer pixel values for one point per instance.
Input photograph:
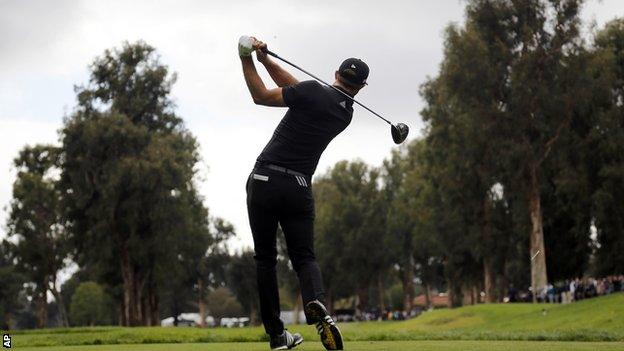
(274, 197)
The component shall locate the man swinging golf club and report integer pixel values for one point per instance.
(279, 187)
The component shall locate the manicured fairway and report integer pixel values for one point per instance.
(365, 346)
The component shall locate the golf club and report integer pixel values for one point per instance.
(399, 131)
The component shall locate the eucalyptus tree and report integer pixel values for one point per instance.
(36, 226)
(128, 177)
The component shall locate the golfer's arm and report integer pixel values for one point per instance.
(280, 76)
(259, 93)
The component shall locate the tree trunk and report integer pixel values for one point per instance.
(8, 321)
(61, 306)
(253, 316)
(382, 292)
(155, 309)
(502, 287)
(151, 307)
(468, 295)
(539, 278)
(298, 307)
(329, 301)
(42, 306)
(477, 295)
(138, 296)
(362, 294)
(408, 285)
(121, 311)
(489, 280)
(450, 294)
(202, 302)
(129, 288)
(146, 317)
(176, 311)
(455, 294)
(428, 303)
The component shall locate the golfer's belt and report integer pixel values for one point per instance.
(284, 170)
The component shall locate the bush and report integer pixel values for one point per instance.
(221, 303)
(89, 305)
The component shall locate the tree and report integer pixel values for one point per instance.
(606, 142)
(12, 283)
(412, 235)
(545, 92)
(210, 270)
(528, 60)
(128, 178)
(287, 278)
(350, 217)
(36, 225)
(221, 303)
(242, 282)
(90, 305)
(330, 241)
(457, 168)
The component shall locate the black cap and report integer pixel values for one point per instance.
(354, 71)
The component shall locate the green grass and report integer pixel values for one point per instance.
(595, 320)
(360, 346)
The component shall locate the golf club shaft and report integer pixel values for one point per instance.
(268, 52)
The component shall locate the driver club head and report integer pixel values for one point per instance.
(399, 132)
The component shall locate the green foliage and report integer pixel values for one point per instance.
(520, 131)
(350, 218)
(607, 156)
(214, 260)
(286, 276)
(535, 149)
(410, 217)
(128, 177)
(90, 305)
(241, 281)
(132, 82)
(221, 303)
(11, 283)
(36, 225)
(396, 297)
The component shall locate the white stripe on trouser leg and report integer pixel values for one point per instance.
(298, 180)
(304, 182)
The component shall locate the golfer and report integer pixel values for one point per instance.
(279, 187)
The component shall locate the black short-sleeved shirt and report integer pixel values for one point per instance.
(316, 114)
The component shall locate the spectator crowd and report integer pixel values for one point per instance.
(571, 290)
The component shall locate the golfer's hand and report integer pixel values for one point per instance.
(260, 46)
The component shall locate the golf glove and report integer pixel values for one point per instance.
(245, 46)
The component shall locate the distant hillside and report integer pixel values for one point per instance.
(599, 318)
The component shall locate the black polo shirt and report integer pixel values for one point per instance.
(316, 114)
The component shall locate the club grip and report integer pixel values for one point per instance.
(269, 52)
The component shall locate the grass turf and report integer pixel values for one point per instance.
(359, 345)
(599, 319)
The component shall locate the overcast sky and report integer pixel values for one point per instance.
(46, 46)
